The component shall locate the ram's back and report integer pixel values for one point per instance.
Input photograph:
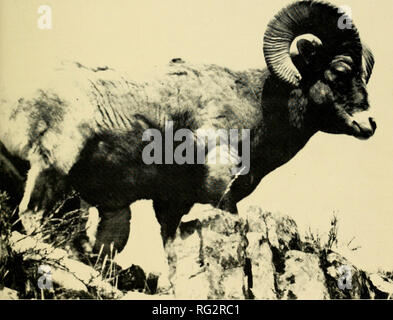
(79, 102)
(209, 95)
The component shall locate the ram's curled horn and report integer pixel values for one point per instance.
(307, 17)
(367, 64)
(315, 41)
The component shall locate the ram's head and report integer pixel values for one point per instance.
(325, 64)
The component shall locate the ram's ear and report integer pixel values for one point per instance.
(308, 50)
(367, 63)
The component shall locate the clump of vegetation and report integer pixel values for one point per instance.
(388, 275)
(333, 234)
(15, 273)
(314, 242)
(64, 229)
(5, 233)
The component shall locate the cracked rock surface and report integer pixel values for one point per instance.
(214, 255)
(259, 255)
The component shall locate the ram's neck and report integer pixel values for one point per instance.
(284, 129)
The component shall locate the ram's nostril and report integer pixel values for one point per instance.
(373, 124)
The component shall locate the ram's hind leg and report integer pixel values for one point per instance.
(113, 227)
(45, 188)
(30, 221)
(12, 178)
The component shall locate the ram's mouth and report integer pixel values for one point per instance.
(363, 131)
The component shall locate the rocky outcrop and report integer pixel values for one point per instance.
(258, 255)
(8, 294)
(215, 255)
(208, 257)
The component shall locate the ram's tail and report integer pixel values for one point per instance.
(14, 124)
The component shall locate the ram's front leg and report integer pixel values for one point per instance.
(218, 189)
(224, 170)
(227, 203)
(219, 185)
(169, 213)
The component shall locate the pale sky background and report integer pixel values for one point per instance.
(331, 175)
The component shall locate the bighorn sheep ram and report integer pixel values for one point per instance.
(84, 131)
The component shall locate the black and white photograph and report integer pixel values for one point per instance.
(196, 150)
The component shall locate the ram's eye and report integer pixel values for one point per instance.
(342, 64)
(341, 68)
